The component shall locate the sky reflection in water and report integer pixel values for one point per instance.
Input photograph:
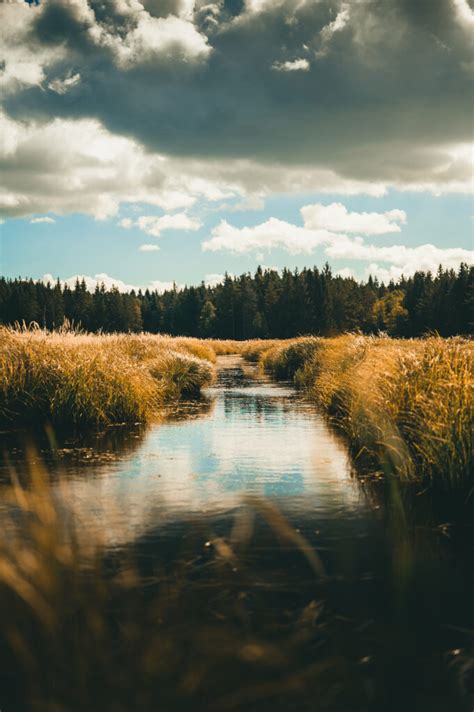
(252, 437)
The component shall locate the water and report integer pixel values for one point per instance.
(247, 437)
(395, 579)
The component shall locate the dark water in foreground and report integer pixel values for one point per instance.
(389, 578)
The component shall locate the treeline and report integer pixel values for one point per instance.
(265, 305)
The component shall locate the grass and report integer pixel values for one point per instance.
(88, 629)
(239, 619)
(405, 405)
(82, 380)
(208, 623)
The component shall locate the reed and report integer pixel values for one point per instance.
(81, 379)
(253, 350)
(405, 405)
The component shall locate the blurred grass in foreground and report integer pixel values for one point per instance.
(83, 628)
(207, 621)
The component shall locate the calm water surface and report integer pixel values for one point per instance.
(248, 436)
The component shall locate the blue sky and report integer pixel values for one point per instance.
(79, 244)
(148, 142)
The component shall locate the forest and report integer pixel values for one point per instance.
(268, 304)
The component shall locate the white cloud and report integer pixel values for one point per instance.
(142, 37)
(383, 274)
(169, 36)
(255, 6)
(62, 86)
(326, 34)
(45, 219)
(404, 260)
(400, 259)
(272, 234)
(176, 199)
(21, 71)
(147, 247)
(109, 282)
(156, 224)
(153, 225)
(335, 217)
(464, 13)
(323, 225)
(93, 171)
(342, 18)
(344, 272)
(253, 202)
(345, 127)
(23, 63)
(212, 280)
(295, 65)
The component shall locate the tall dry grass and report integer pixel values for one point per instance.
(405, 404)
(84, 379)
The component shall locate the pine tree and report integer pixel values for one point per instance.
(207, 319)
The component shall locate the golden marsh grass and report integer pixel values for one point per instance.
(405, 404)
(81, 379)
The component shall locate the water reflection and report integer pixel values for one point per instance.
(245, 436)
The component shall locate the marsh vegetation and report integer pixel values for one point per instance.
(406, 406)
(71, 378)
(234, 558)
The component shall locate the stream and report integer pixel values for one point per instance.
(394, 575)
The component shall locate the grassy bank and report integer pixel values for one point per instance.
(95, 380)
(405, 405)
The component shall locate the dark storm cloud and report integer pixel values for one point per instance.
(59, 23)
(371, 90)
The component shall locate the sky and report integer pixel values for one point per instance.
(156, 141)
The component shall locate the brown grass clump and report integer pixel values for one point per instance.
(225, 347)
(405, 404)
(83, 379)
(253, 350)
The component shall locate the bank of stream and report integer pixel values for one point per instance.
(369, 598)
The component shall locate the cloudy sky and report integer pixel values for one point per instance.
(148, 141)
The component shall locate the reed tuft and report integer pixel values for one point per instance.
(405, 405)
(80, 379)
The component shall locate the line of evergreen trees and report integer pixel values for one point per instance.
(266, 305)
